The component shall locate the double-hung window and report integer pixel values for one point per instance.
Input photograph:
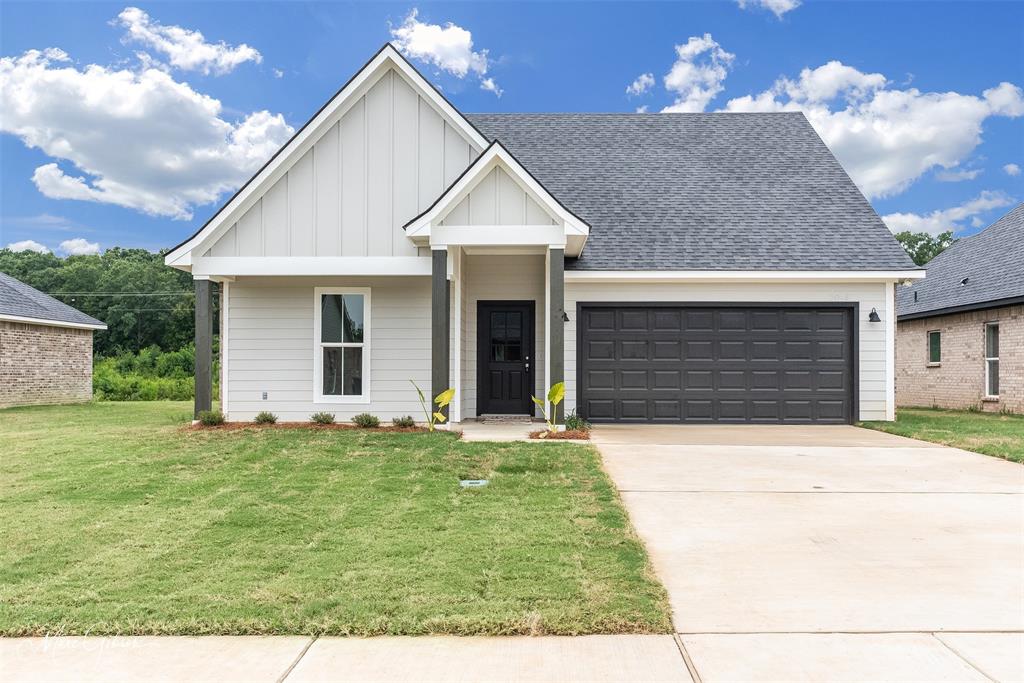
(934, 347)
(341, 353)
(992, 360)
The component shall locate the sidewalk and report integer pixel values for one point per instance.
(273, 659)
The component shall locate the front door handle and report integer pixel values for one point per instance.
(527, 366)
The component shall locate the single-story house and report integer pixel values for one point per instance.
(960, 333)
(45, 348)
(668, 267)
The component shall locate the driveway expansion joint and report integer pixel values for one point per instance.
(302, 653)
(965, 659)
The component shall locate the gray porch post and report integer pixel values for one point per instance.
(556, 325)
(440, 341)
(204, 345)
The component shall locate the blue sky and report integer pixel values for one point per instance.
(921, 101)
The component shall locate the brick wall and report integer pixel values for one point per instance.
(959, 380)
(40, 364)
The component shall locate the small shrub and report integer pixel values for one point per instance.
(322, 418)
(366, 421)
(404, 421)
(575, 423)
(211, 418)
(265, 418)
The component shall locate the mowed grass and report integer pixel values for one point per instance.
(118, 519)
(995, 434)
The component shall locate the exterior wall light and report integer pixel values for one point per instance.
(873, 316)
(565, 317)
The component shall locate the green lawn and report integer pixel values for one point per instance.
(117, 519)
(989, 433)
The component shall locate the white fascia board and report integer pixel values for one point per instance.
(742, 275)
(387, 58)
(235, 266)
(50, 323)
(497, 235)
(495, 155)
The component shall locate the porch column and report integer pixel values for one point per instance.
(204, 346)
(556, 323)
(440, 336)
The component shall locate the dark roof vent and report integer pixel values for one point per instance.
(964, 281)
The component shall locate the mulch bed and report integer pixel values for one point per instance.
(344, 426)
(574, 434)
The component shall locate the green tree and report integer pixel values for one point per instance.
(143, 302)
(923, 247)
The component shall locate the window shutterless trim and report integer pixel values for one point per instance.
(928, 347)
(318, 347)
(989, 359)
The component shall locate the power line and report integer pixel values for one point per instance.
(121, 293)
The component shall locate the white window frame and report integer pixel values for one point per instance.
(318, 346)
(994, 323)
(928, 348)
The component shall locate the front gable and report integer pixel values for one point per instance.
(498, 202)
(380, 151)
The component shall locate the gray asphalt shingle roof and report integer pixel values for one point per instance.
(17, 298)
(700, 191)
(992, 261)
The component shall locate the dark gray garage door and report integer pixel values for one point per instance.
(687, 363)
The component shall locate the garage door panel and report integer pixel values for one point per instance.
(733, 363)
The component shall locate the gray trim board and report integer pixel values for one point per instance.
(204, 346)
(440, 331)
(556, 325)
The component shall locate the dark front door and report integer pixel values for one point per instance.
(505, 357)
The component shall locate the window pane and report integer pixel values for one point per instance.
(332, 371)
(513, 352)
(497, 325)
(934, 347)
(354, 318)
(992, 341)
(330, 318)
(353, 375)
(993, 377)
(497, 352)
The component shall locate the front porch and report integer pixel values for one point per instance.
(499, 313)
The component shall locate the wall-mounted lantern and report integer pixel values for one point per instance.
(873, 316)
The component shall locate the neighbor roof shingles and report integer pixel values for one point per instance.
(992, 261)
(18, 299)
(700, 191)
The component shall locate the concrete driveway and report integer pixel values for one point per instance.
(829, 553)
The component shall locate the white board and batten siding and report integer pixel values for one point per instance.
(873, 342)
(497, 199)
(271, 347)
(384, 161)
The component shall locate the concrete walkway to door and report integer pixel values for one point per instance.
(828, 553)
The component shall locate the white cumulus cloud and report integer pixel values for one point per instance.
(28, 245)
(184, 48)
(79, 247)
(777, 7)
(886, 137)
(940, 221)
(137, 139)
(1011, 169)
(698, 73)
(448, 47)
(641, 84)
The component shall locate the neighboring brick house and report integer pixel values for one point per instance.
(960, 332)
(45, 348)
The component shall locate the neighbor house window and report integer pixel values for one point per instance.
(342, 348)
(935, 347)
(992, 359)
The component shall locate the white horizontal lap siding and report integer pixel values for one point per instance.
(872, 352)
(386, 159)
(502, 278)
(271, 347)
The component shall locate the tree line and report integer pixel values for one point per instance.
(143, 302)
